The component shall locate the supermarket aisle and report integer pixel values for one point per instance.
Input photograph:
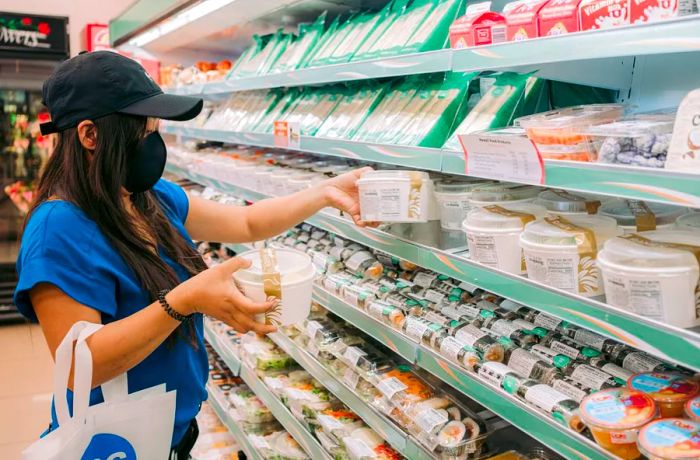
(26, 370)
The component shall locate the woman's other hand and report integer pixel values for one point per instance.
(214, 293)
(341, 193)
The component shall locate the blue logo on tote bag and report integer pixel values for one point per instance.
(106, 446)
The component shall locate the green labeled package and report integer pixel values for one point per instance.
(353, 109)
(433, 33)
(297, 51)
(324, 53)
(362, 28)
(410, 20)
(388, 15)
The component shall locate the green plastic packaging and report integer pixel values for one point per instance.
(433, 33)
(267, 50)
(353, 109)
(313, 108)
(298, 50)
(398, 33)
(321, 43)
(363, 26)
(387, 17)
(323, 55)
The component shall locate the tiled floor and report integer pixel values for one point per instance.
(26, 372)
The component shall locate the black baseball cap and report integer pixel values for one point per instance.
(92, 85)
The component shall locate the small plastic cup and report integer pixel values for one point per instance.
(670, 391)
(692, 409)
(615, 417)
(670, 439)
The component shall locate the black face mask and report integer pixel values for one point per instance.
(146, 166)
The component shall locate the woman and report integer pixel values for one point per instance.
(107, 241)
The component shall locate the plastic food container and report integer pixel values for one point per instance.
(501, 194)
(639, 216)
(692, 409)
(565, 203)
(690, 221)
(561, 252)
(493, 234)
(558, 134)
(453, 201)
(396, 196)
(301, 181)
(636, 142)
(615, 416)
(289, 277)
(670, 391)
(670, 439)
(654, 274)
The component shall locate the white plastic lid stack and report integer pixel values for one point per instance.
(561, 201)
(485, 220)
(543, 233)
(690, 221)
(293, 266)
(620, 211)
(633, 254)
(499, 193)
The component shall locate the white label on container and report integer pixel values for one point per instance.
(560, 271)
(376, 310)
(336, 252)
(572, 391)
(357, 448)
(356, 260)
(351, 378)
(312, 327)
(469, 287)
(547, 322)
(639, 362)
(389, 387)
(469, 335)
(431, 419)
(415, 328)
(312, 348)
(508, 158)
(434, 296)
(384, 202)
(522, 324)
(590, 339)
(544, 353)
(643, 297)
(437, 318)
(258, 442)
(329, 423)
(451, 312)
(623, 437)
(504, 327)
(352, 355)
(453, 211)
(544, 397)
(564, 349)
(617, 371)
(523, 362)
(482, 248)
(590, 377)
(450, 348)
(494, 372)
(424, 279)
(320, 261)
(469, 311)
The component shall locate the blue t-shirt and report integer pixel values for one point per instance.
(64, 247)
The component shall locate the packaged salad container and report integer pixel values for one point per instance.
(249, 406)
(670, 391)
(396, 196)
(493, 234)
(654, 274)
(670, 439)
(639, 216)
(615, 417)
(502, 194)
(364, 444)
(453, 201)
(339, 422)
(400, 387)
(558, 134)
(566, 203)
(561, 252)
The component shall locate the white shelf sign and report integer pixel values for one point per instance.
(508, 158)
(287, 134)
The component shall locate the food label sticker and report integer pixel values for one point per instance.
(431, 419)
(450, 347)
(639, 362)
(351, 378)
(389, 387)
(623, 437)
(320, 261)
(435, 317)
(469, 335)
(508, 158)
(590, 339)
(357, 259)
(424, 279)
(565, 349)
(494, 372)
(312, 327)
(570, 390)
(258, 442)
(523, 362)
(504, 327)
(415, 328)
(547, 322)
(357, 448)
(434, 296)
(617, 371)
(544, 397)
(287, 134)
(352, 355)
(451, 312)
(329, 423)
(590, 377)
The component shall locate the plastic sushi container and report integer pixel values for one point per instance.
(400, 388)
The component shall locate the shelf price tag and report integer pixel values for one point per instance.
(287, 134)
(506, 157)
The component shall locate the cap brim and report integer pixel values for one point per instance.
(167, 107)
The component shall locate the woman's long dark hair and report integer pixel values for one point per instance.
(93, 182)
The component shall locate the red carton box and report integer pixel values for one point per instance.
(558, 17)
(521, 19)
(478, 27)
(658, 10)
(603, 14)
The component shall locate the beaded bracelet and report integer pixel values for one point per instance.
(169, 310)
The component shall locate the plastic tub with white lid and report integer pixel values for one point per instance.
(296, 274)
(453, 201)
(645, 274)
(558, 254)
(493, 234)
(690, 221)
(503, 193)
(623, 211)
(396, 196)
(566, 203)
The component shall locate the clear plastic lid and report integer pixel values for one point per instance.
(572, 117)
(632, 128)
(670, 439)
(622, 212)
(642, 249)
(665, 386)
(690, 221)
(544, 232)
(391, 175)
(617, 409)
(457, 186)
(568, 202)
(509, 218)
(292, 266)
(502, 192)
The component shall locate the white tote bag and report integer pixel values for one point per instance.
(124, 427)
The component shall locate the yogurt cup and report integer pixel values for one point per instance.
(615, 416)
(670, 439)
(565, 203)
(283, 273)
(690, 221)
(654, 274)
(692, 409)
(493, 234)
(503, 193)
(453, 201)
(639, 216)
(561, 252)
(670, 391)
(396, 196)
